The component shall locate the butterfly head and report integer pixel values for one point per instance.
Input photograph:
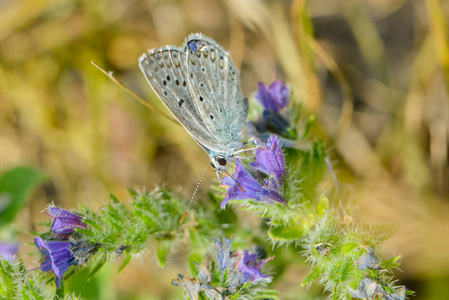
(219, 163)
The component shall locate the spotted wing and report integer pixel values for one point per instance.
(214, 83)
(166, 72)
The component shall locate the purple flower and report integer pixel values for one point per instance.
(250, 268)
(270, 160)
(273, 98)
(8, 250)
(64, 222)
(274, 117)
(239, 267)
(244, 186)
(57, 257)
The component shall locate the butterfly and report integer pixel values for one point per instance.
(200, 85)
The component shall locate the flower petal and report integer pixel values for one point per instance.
(57, 257)
(251, 268)
(64, 222)
(242, 180)
(8, 250)
(270, 160)
(279, 94)
(274, 97)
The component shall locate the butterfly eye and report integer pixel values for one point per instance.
(221, 161)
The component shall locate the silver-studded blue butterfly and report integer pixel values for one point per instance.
(200, 85)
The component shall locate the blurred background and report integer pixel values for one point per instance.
(374, 73)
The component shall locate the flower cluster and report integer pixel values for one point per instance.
(64, 222)
(273, 98)
(250, 267)
(8, 250)
(245, 266)
(274, 119)
(59, 255)
(370, 289)
(338, 252)
(265, 182)
(229, 273)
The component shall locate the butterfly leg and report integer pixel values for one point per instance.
(218, 176)
(255, 141)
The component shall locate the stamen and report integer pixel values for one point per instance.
(46, 213)
(229, 175)
(47, 264)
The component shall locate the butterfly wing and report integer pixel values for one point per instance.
(166, 72)
(200, 85)
(215, 86)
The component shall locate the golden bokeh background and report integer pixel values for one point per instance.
(374, 73)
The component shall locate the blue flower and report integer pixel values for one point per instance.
(57, 257)
(270, 160)
(64, 222)
(240, 268)
(223, 254)
(243, 186)
(274, 119)
(8, 250)
(229, 273)
(273, 98)
(250, 268)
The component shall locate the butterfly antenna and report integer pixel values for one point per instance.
(123, 86)
(193, 196)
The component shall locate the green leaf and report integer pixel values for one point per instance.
(391, 263)
(15, 186)
(266, 294)
(349, 246)
(194, 256)
(312, 276)
(341, 269)
(286, 233)
(308, 126)
(6, 280)
(97, 267)
(114, 199)
(312, 166)
(322, 206)
(162, 250)
(89, 287)
(125, 261)
(59, 292)
(133, 192)
(336, 294)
